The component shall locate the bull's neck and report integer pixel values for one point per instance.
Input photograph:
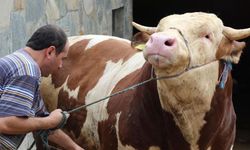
(188, 98)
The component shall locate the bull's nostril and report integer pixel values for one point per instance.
(169, 42)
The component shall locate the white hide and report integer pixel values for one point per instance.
(113, 73)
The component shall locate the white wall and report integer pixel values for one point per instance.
(20, 18)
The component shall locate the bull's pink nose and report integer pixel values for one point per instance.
(159, 43)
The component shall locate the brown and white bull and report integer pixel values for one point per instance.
(184, 110)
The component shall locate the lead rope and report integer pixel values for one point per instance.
(45, 133)
(114, 94)
(224, 75)
(151, 78)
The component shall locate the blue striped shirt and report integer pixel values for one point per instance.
(19, 91)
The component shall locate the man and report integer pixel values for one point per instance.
(21, 108)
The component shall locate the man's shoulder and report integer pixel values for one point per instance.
(19, 64)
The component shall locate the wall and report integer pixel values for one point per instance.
(20, 18)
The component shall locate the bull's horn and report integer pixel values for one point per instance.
(149, 30)
(236, 34)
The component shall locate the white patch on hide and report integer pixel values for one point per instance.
(120, 146)
(72, 93)
(232, 147)
(127, 147)
(113, 73)
(50, 93)
(94, 39)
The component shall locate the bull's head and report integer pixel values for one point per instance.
(181, 41)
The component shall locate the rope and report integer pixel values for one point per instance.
(63, 121)
(137, 85)
(187, 68)
(45, 133)
(117, 93)
(224, 74)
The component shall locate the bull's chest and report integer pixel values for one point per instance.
(188, 98)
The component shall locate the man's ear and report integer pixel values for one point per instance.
(50, 51)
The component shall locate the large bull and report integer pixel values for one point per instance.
(189, 106)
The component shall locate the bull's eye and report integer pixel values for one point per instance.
(207, 36)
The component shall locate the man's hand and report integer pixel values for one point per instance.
(57, 118)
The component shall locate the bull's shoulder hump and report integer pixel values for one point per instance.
(94, 39)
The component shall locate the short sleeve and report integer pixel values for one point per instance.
(18, 96)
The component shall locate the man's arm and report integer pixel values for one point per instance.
(60, 138)
(20, 125)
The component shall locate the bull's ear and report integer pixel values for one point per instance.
(139, 40)
(230, 50)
